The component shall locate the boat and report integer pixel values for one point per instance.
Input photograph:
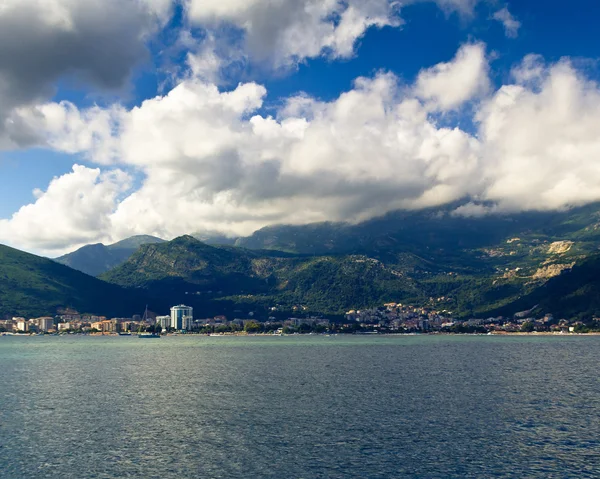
(124, 334)
(152, 335)
(148, 335)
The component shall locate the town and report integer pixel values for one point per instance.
(390, 318)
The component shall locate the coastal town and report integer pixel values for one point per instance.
(390, 318)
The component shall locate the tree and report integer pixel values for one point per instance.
(527, 327)
(252, 327)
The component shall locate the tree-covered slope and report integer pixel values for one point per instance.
(190, 270)
(34, 286)
(574, 294)
(474, 267)
(96, 259)
(430, 231)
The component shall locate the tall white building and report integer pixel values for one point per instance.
(163, 321)
(45, 324)
(22, 325)
(182, 317)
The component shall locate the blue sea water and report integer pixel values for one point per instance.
(300, 407)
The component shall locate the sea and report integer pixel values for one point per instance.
(296, 407)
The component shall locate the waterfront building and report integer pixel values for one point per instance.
(22, 325)
(163, 321)
(45, 324)
(182, 317)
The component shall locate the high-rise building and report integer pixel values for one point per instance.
(45, 324)
(182, 317)
(163, 321)
(22, 325)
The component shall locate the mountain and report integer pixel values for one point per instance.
(134, 242)
(434, 229)
(96, 259)
(35, 286)
(573, 294)
(473, 267)
(215, 238)
(212, 277)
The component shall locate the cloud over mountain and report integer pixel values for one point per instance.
(213, 160)
(202, 157)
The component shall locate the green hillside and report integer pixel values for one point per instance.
(35, 286)
(473, 267)
(209, 277)
(435, 231)
(574, 294)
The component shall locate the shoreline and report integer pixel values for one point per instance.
(262, 335)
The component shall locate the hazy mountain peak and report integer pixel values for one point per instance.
(95, 259)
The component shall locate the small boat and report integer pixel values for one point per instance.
(124, 334)
(152, 335)
(148, 335)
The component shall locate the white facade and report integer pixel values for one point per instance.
(163, 321)
(182, 317)
(23, 325)
(45, 324)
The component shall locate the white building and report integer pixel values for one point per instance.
(22, 325)
(45, 324)
(163, 321)
(182, 317)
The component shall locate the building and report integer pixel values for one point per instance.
(22, 325)
(45, 324)
(163, 321)
(182, 317)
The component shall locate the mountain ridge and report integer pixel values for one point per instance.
(95, 259)
(473, 267)
(479, 266)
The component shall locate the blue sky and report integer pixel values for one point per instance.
(431, 33)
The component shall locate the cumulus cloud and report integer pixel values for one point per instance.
(42, 41)
(447, 86)
(541, 138)
(283, 32)
(510, 23)
(212, 160)
(98, 42)
(74, 210)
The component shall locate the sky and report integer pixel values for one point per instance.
(171, 117)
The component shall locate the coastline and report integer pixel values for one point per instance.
(265, 335)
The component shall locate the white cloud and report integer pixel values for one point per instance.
(205, 63)
(213, 161)
(74, 210)
(511, 24)
(447, 86)
(283, 32)
(474, 210)
(97, 42)
(541, 139)
(63, 127)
